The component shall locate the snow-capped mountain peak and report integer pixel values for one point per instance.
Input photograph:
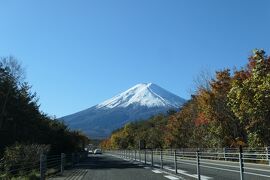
(143, 94)
(137, 103)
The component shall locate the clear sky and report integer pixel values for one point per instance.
(78, 53)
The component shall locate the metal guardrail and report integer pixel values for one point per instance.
(46, 166)
(243, 161)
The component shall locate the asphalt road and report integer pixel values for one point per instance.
(107, 167)
(114, 167)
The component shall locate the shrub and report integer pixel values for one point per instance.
(22, 158)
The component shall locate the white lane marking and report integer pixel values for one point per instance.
(157, 171)
(205, 177)
(171, 177)
(186, 174)
(255, 174)
(146, 167)
(181, 171)
(202, 177)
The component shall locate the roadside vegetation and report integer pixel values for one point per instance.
(232, 107)
(25, 131)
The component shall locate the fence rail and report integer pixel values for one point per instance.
(254, 162)
(46, 166)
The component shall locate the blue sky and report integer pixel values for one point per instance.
(78, 53)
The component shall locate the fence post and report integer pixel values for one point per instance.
(268, 154)
(175, 161)
(152, 159)
(161, 159)
(198, 164)
(145, 156)
(127, 154)
(225, 152)
(62, 163)
(241, 163)
(73, 159)
(42, 166)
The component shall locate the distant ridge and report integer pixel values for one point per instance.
(139, 102)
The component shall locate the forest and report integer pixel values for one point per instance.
(227, 110)
(22, 123)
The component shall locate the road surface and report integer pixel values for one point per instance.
(209, 169)
(113, 167)
(107, 167)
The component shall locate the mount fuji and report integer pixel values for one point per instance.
(137, 103)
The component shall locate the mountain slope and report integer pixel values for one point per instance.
(138, 102)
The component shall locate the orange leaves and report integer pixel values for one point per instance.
(201, 120)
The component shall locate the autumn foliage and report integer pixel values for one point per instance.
(232, 106)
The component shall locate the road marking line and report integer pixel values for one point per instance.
(255, 174)
(146, 167)
(186, 174)
(157, 171)
(202, 177)
(171, 177)
(181, 171)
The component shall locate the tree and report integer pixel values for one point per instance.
(224, 127)
(249, 98)
(21, 120)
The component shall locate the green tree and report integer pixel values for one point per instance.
(249, 98)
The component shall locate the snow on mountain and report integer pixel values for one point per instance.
(144, 94)
(137, 103)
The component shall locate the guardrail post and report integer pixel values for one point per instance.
(225, 152)
(268, 154)
(62, 163)
(128, 154)
(152, 160)
(198, 165)
(241, 163)
(175, 161)
(161, 159)
(42, 166)
(145, 156)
